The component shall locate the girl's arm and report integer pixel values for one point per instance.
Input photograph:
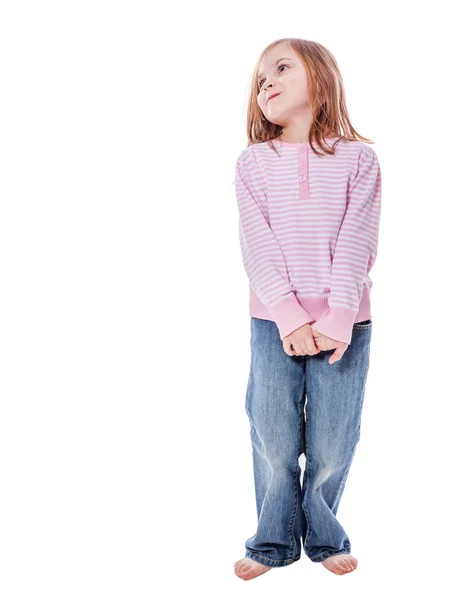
(262, 256)
(355, 250)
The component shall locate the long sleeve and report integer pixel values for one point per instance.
(355, 250)
(262, 256)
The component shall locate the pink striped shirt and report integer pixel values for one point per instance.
(308, 229)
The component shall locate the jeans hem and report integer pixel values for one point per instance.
(270, 562)
(327, 553)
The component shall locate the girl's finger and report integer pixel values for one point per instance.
(334, 357)
(298, 348)
(337, 354)
(288, 347)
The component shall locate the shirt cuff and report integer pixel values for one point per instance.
(289, 315)
(336, 323)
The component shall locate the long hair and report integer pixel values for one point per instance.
(326, 99)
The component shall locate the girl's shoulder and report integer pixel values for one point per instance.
(247, 156)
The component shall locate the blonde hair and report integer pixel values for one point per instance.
(326, 99)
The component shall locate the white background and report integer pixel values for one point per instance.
(125, 458)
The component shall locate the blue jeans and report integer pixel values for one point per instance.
(302, 405)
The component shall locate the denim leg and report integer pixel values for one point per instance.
(335, 396)
(274, 401)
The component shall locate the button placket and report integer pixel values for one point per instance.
(303, 173)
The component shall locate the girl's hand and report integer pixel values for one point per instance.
(326, 343)
(300, 342)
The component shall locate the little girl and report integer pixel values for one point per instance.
(308, 191)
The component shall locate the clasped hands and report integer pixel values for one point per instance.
(305, 341)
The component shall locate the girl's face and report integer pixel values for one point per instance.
(282, 72)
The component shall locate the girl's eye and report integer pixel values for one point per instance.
(260, 82)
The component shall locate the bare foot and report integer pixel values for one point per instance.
(340, 563)
(246, 568)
